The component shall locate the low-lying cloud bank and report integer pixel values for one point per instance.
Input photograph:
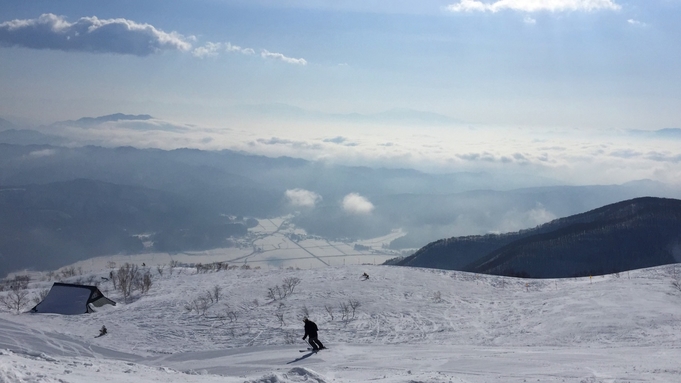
(573, 157)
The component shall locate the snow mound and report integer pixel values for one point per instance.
(294, 375)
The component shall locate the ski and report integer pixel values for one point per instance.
(309, 349)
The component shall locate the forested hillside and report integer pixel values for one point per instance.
(628, 235)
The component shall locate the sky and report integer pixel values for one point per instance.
(240, 74)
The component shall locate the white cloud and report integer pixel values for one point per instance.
(278, 56)
(213, 49)
(302, 197)
(43, 153)
(636, 22)
(90, 34)
(529, 20)
(354, 203)
(208, 50)
(533, 5)
(235, 48)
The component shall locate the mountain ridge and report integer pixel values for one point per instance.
(604, 240)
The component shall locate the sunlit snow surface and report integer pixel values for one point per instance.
(412, 325)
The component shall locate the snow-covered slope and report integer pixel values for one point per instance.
(410, 325)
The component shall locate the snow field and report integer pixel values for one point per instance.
(411, 325)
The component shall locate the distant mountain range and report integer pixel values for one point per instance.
(194, 188)
(202, 185)
(632, 234)
(47, 226)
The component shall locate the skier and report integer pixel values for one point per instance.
(102, 331)
(311, 331)
(365, 276)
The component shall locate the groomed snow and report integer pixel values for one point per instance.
(411, 325)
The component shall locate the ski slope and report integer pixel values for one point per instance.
(411, 325)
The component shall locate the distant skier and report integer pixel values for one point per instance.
(102, 331)
(365, 276)
(311, 331)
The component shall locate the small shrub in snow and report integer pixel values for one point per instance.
(437, 297)
(291, 337)
(281, 292)
(200, 305)
(232, 315)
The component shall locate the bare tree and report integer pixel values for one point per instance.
(16, 299)
(329, 310)
(354, 304)
(217, 292)
(200, 305)
(290, 284)
(305, 311)
(286, 288)
(345, 311)
(272, 293)
(41, 295)
(280, 314)
(159, 269)
(126, 276)
(146, 281)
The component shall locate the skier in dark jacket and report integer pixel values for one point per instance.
(311, 331)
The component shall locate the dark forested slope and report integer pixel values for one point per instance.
(632, 234)
(51, 225)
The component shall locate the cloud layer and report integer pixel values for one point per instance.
(90, 34)
(278, 56)
(214, 49)
(119, 36)
(302, 198)
(533, 5)
(354, 203)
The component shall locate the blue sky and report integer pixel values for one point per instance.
(551, 67)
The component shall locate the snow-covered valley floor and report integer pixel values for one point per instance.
(409, 325)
